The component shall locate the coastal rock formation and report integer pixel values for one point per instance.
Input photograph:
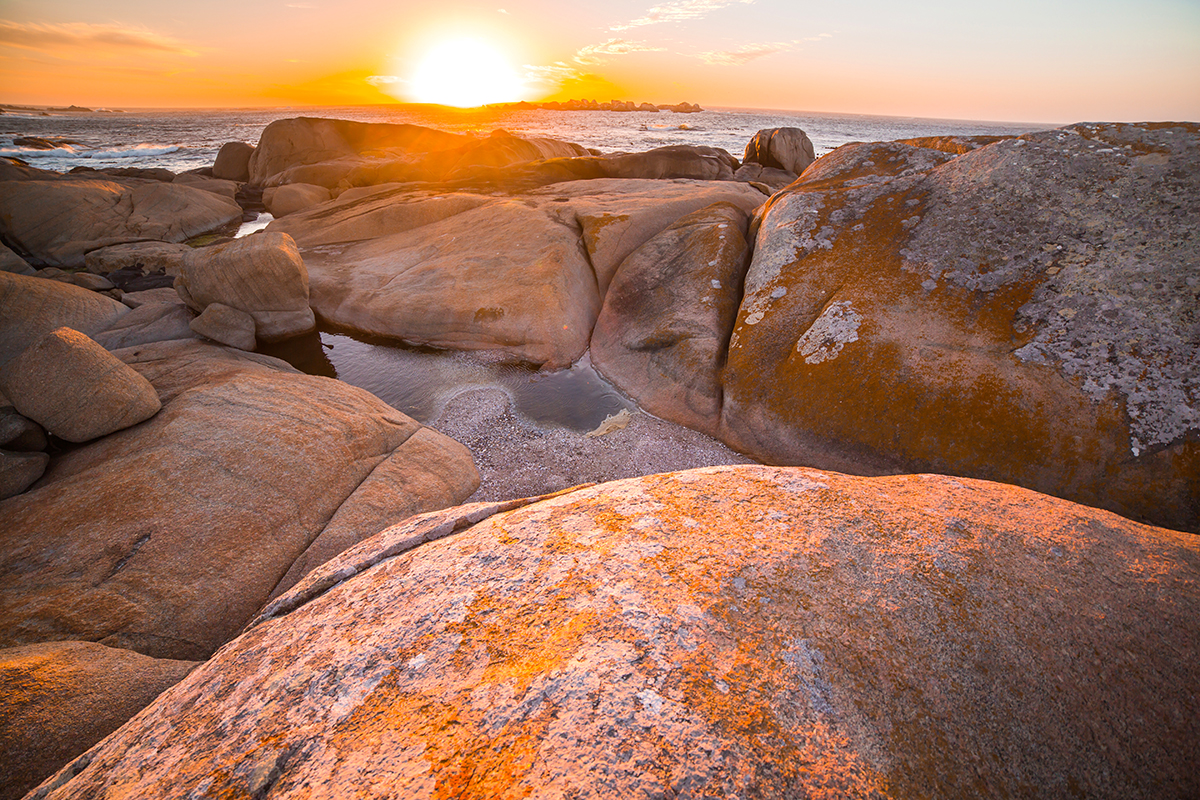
(226, 325)
(19, 471)
(262, 275)
(787, 149)
(662, 334)
(148, 322)
(11, 262)
(18, 433)
(233, 162)
(75, 389)
(750, 631)
(103, 213)
(165, 538)
(57, 699)
(1023, 312)
(31, 307)
(215, 185)
(290, 198)
(523, 275)
(673, 161)
(145, 256)
(305, 140)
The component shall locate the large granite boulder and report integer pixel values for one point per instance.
(262, 275)
(149, 322)
(145, 256)
(166, 538)
(233, 161)
(57, 699)
(305, 140)
(501, 276)
(20, 470)
(524, 275)
(663, 331)
(11, 262)
(1023, 312)
(76, 389)
(674, 161)
(33, 216)
(786, 149)
(729, 632)
(31, 307)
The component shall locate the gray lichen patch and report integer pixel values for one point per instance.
(835, 328)
(1101, 220)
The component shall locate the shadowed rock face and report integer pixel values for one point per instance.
(1023, 312)
(32, 307)
(748, 631)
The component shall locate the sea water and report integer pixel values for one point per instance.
(419, 381)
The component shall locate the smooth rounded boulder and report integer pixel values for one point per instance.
(233, 161)
(166, 538)
(983, 309)
(726, 632)
(31, 307)
(75, 389)
(57, 699)
(262, 275)
(780, 148)
(662, 334)
(283, 200)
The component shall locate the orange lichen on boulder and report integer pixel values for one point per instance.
(742, 631)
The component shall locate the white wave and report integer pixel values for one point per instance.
(137, 151)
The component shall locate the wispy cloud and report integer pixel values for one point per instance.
(384, 80)
(746, 53)
(678, 11)
(550, 74)
(743, 54)
(48, 37)
(595, 53)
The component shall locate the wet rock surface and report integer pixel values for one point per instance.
(747, 631)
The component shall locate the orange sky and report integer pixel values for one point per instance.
(1026, 61)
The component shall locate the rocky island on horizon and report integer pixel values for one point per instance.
(965, 564)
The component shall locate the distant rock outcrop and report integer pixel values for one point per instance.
(744, 631)
(788, 149)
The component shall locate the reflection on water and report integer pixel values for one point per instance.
(420, 381)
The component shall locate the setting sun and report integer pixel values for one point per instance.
(465, 73)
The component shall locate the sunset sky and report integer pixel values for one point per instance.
(1025, 60)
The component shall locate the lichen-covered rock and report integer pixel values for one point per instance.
(34, 218)
(75, 389)
(59, 698)
(31, 307)
(774, 179)
(786, 149)
(262, 275)
(748, 632)
(166, 538)
(664, 329)
(1023, 312)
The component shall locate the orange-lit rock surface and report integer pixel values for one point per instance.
(57, 699)
(165, 538)
(726, 632)
(1022, 310)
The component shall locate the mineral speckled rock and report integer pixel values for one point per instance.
(748, 632)
(1022, 312)
(76, 389)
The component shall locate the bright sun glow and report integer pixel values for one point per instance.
(465, 73)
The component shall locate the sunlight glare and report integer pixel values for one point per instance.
(465, 73)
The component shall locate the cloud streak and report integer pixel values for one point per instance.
(746, 53)
(595, 53)
(678, 11)
(45, 37)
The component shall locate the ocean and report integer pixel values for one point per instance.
(180, 140)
